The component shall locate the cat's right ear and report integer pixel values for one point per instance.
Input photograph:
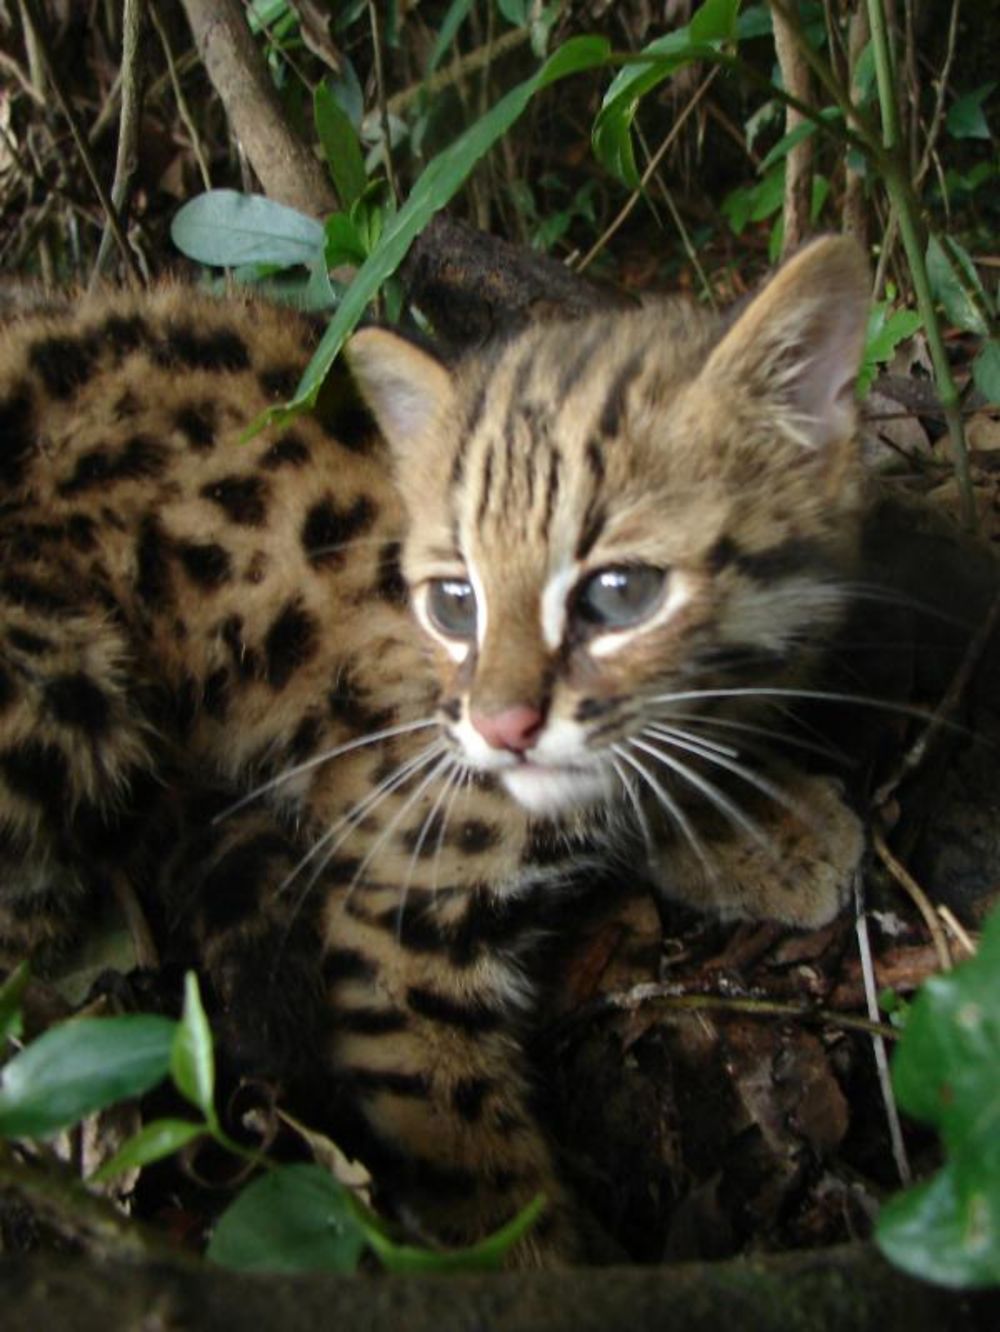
(408, 391)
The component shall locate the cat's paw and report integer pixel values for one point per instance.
(798, 869)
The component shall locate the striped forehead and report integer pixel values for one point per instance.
(532, 456)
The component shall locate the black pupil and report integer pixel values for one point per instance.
(616, 598)
(451, 604)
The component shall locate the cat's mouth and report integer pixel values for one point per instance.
(543, 788)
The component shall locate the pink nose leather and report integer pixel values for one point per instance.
(514, 728)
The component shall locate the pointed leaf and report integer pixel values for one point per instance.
(953, 280)
(986, 370)
(79, 1067)
(439, 181)
(192, 1059)
(10, 1001)
(340, 146)
(153, 1142)
(714, 21)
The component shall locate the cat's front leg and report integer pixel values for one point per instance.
(422, 1024)
(794, 861)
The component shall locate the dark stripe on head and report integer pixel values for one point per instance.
(573, 372)
(794, 555)
(551, 490)
(614, 403)
(593, 525)
(484, 497)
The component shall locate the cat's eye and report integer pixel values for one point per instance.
(620, 596)
(451, 607)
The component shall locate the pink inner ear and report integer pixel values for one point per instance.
(822, 369)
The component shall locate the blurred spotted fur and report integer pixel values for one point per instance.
(424, 672)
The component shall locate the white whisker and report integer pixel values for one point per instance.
(670, 805)
(348, 821)
(712, 755)
(708, 789)
(317, 760)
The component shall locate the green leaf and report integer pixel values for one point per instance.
(486, 1256)
(803, 130)
(754, 21)
(945, 1072)
(884, 334)
(10, 1001)
(611, 136)
(938, 1234)
(714, 21)
(294, 1219)
(153, 1142)
(986, 370)
(438, 182)
(79, 1067)
(192, 1058)
(966, 118)
(953, 280)
(225, 228)
(341, 146)
(458, 12)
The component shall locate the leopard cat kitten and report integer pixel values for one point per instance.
(435, 668)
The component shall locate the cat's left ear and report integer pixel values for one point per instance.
(407, 389)
(799, 343)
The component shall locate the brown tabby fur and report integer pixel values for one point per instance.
(186, 619)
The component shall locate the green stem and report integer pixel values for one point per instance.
(900, 189)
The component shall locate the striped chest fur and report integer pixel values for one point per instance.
(429, 667)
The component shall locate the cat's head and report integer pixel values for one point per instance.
(612, 511)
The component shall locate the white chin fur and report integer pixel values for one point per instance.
(542, 790)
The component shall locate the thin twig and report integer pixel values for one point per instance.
(383, 108)
(674, 996)
(82, 147)
(127, 154)
(956, 929)
(916, 895)
(179, 98)
(654, 162)
(937, 115)
(878, 1041)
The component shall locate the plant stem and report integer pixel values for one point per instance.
(904, 202)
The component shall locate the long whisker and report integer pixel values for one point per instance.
(670, 805)
(694, 746)
(667, 732)
(452, 769)
(707, 719)
(443, 762)
(459, 779)
(822, 695)
(632, 795)
(709, 790)
(341, 829)
(325, 757)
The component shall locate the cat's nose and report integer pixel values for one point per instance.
(515, 728)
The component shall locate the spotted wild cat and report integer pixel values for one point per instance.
(611, 533)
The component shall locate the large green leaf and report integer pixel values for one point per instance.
(946, 1071)
(341, 146)
(79, 1067)
(439, 181)
(966, 118)
(612, 133)
(294, 1219)
(986, 370)
(225, 228)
